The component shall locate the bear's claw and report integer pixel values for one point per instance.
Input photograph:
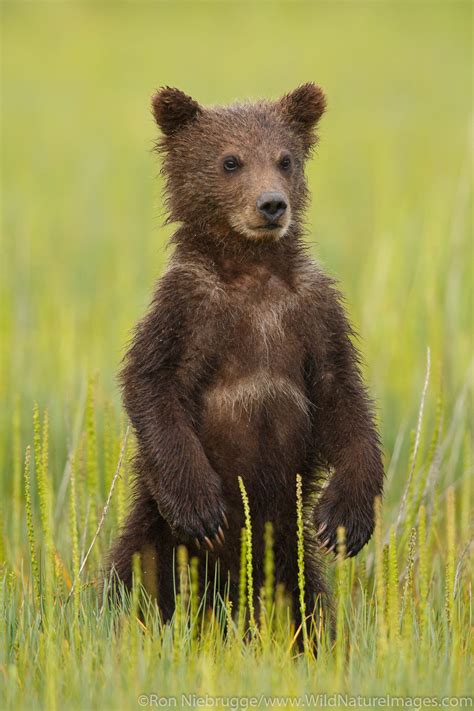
(332, 513)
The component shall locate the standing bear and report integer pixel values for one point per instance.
(244, 364)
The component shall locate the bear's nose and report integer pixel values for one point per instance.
(271, 205)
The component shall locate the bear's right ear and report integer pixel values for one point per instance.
(173, 109)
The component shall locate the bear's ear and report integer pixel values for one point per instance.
(173, 109)
(303, 108)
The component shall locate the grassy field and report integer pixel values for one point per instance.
(82, 242)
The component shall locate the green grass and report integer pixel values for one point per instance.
(81, 245)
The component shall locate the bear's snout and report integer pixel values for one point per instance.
(272, 206)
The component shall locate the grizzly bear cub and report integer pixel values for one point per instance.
(244, 364)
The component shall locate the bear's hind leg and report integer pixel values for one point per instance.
(143, 532)
(318, 604)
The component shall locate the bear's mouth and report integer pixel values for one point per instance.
(255, 231)
(269, 227)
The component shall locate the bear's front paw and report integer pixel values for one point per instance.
(336, 509)
(202, 520)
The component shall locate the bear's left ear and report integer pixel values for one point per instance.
(303, 108)
(173, 109)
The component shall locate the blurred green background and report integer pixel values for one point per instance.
(82, 235)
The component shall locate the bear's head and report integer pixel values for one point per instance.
(237, 171)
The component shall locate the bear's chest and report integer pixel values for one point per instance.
(261, 354)
(261, 324)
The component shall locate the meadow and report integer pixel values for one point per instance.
(82, 242)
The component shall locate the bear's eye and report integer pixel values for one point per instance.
(285, 163)
(231, 163)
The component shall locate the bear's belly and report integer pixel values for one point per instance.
(253, 393)
(257, 424)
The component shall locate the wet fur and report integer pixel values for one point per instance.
(245, 363)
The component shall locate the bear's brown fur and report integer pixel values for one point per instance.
(244, 364)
